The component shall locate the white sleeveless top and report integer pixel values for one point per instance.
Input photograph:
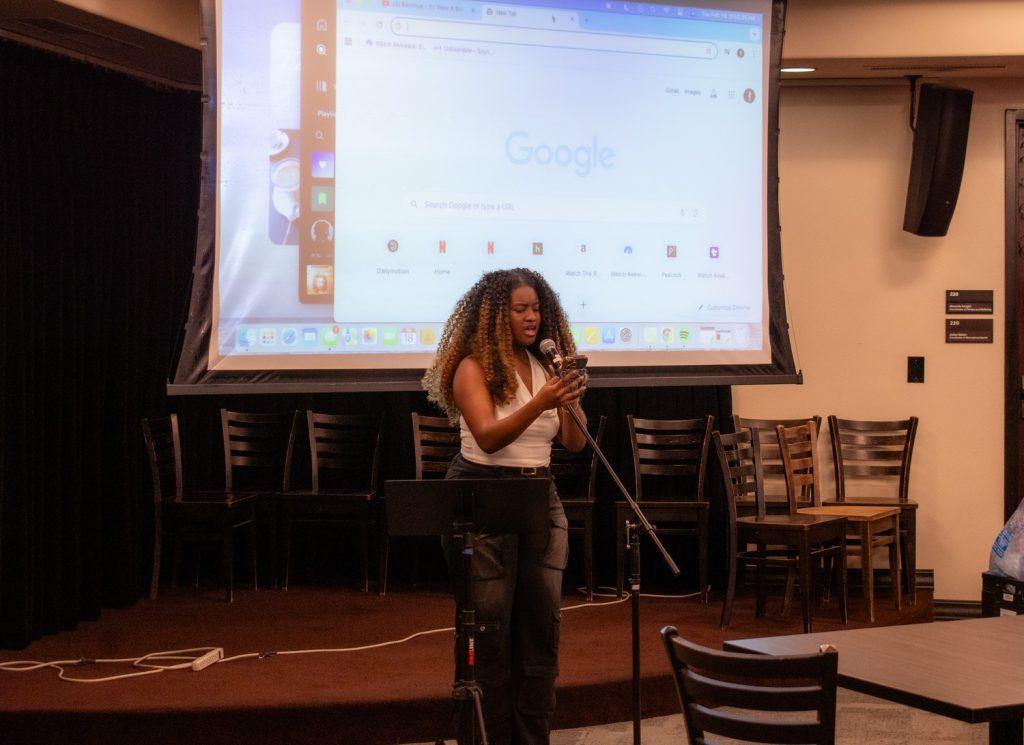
(533, 447)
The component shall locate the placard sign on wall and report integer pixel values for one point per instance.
(968, 330)
(969, 302)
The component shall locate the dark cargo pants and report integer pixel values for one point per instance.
(517, 588)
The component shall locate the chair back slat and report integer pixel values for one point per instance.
(800, 463)
(344, 450)
(743, 728)
(435, 442)
(714, 692)
(759, 685)
(684, 456)
(163, 449)
(872, 455)
(657, 452)
(664, 440)
(872, 449)
(659, 470)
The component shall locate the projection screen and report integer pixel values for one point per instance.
(367, 160)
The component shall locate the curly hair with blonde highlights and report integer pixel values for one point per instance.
(479, 327)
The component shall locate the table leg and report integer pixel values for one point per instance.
(866, 569)
(910, 552)
(1007, 732)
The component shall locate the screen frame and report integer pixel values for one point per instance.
(192, 376)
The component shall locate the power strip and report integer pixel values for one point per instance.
(214, 655)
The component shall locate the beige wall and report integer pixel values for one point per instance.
(864, 295)
(903, 28)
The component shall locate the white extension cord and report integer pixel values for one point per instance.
(200, 658)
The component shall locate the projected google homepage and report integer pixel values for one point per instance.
(616, 148)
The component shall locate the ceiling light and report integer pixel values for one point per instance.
(799, 69)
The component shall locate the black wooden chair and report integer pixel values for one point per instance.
(798, 542)
(575, 474)
(868, 527)
(673, 451)
(208, 515)
(435, 442)
(707, 680)
(344, 457)
(873, 455)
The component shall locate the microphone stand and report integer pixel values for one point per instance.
(633, 546)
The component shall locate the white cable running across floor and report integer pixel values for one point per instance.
(190, 658)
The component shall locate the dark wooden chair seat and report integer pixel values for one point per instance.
(794, 541)
(872, 527)
(332, 497)
(344, 493)
(878, 453)
(707, 680)
(575, 474)
(674, 452)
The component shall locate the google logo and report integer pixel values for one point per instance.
(585, 158)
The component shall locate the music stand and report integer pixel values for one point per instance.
(461, 508)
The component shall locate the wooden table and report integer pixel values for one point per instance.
(968, 670)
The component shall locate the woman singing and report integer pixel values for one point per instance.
(487, 375)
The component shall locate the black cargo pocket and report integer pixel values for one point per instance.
(556, 555)
(489, 557)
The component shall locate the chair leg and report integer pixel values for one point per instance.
(228, 560)
(588, 553)
(894, 566)
(273, 520)
(805, 583)
(841, 580)
(909, 553)
(866, 569)
(730, 592)
(761, 588)
(828, 566)
(364, 549)
(787, 596)
(252, 554)
(620, 550)
(154, 581)
(286, 544)
(702, 556)
(383, 549)
(176, 559)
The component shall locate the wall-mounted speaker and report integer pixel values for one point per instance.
(940, 146)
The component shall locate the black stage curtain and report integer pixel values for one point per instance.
(99, 177)
(99, 186)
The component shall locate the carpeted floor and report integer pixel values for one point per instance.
(392, 694)
(860, 720)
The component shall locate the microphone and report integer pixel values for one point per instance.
(549, 350)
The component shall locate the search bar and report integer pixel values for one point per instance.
(537, 37)
(564, 209)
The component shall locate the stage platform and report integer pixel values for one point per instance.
(394, 694)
